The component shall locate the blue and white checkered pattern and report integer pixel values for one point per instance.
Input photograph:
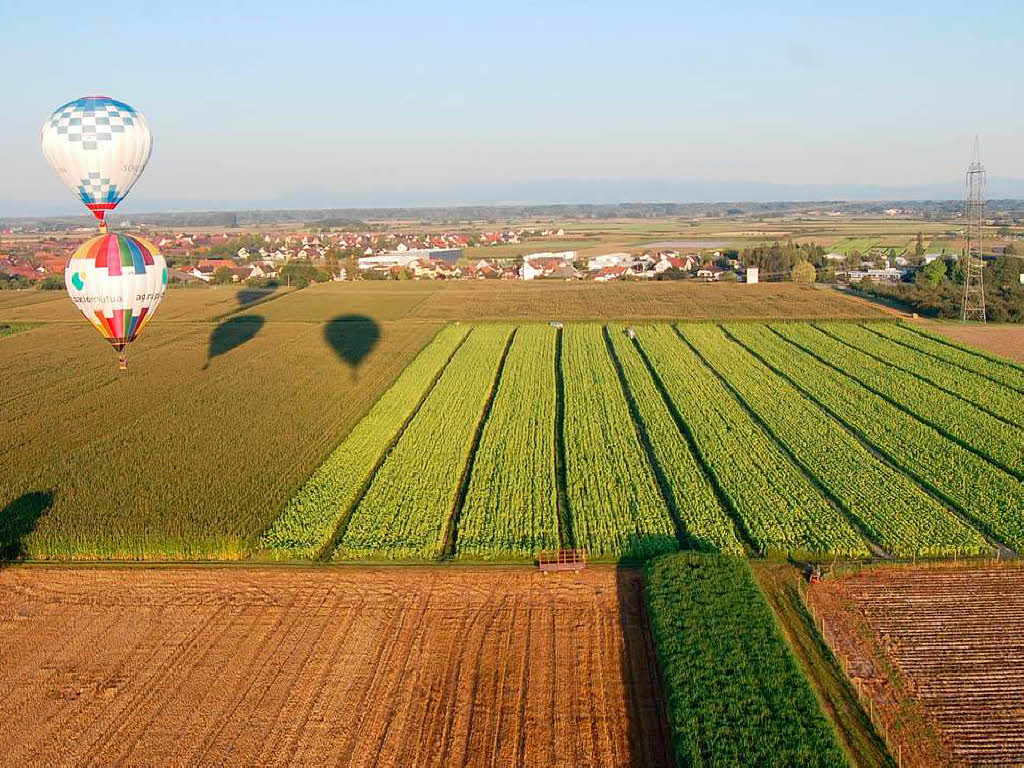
(92, 122)
(96, 188)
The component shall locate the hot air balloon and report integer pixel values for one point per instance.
(99, 147)
(117, 281)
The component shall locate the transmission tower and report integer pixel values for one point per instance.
(973, 307)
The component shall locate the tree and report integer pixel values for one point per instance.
(221, 276)
(919, 247)
(932, 273)
(804, 272)
(729, 277)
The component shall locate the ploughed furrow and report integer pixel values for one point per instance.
(996, 399)
(1000, 443)
(1004, 372)
(406, 509)
(991, 498)
(510, 510)
(956, 634)
(706, 525)
(616, 508)
(885, 503)
(780, 509)
(310, 518)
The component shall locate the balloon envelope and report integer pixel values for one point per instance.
(116, 281)
(99, 147)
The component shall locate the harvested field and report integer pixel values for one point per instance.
(454, 666)
(940, 652)
(1003, 340)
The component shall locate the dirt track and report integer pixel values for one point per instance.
(343, 666)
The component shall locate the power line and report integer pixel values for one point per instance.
(973, 307)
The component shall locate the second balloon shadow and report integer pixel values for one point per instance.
(353, 338)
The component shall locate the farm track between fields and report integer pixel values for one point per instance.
(464, 666)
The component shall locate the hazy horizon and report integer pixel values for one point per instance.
(399, 104)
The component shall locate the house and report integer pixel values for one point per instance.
(531, 271)
(709, 273)
(891, 275)
(565, 272)
(609, 260)
(607, 274)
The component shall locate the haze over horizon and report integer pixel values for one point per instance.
(403, 105)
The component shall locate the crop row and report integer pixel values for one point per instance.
(735, 694)
(510, 510)
(989, 496)
(983, 393)
(1001, 443)
(887, 505)
(615, 505)
(780, 508)
(1004, 372)
(690, 494)
(407, 509)
(310, 518)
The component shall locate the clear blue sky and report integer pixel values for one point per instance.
(254, 100)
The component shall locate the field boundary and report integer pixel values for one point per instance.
(566, 535)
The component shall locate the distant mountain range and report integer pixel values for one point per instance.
(536, 192)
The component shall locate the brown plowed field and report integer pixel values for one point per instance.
(1005, 340)
(399, 666)
(941, 652)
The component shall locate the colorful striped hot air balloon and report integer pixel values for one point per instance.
(117, 281)
(99, 147)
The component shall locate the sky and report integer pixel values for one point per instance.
(295, 104)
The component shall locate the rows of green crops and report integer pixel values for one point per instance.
(987, 495)
(780, 509)
(1001, 443)
(406, 511)
(892, 509)
(1002, 372)
(510, 511)
(615, 505)
(787, 439)
(979, 391)
(735, 693)
(691, 496)
(311, 517)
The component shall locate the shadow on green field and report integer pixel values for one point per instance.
(18, 519)
(352, 337)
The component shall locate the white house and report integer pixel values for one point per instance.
(609, 260)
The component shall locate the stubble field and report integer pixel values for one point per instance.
(355, 667)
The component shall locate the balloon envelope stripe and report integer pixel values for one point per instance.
(135, 248)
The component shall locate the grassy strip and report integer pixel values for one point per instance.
(889, 507)
(406, 509)
(310, 518)
(989, 497)
(1000, 401)
(1005, 372)
(1000, 443)
(782, 512)
(736, 695)
(9, 329)
(780, 583)
(706, 526)
(614, 501)
(510, 507)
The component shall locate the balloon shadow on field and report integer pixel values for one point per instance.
(647, 726)
(352, 337)
(231, 334)
(18, 519)
(248, 296)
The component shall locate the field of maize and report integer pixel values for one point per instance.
(740, 438)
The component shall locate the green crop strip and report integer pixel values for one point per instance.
(510, 508)
(781, 510)
(405, 512)
(310, 518)
(735, 693)
(616, 508)
(1000, 443)
(985, 494)
(886, 504)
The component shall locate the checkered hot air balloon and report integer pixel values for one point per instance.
(117, 281)
(99, 147)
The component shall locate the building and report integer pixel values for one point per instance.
(752, 274)
(609, 260)
(404, 256)
(891, 274)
